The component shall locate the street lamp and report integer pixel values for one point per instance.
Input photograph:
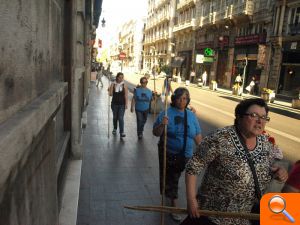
(103, 22)
(154, 50)
(244, 73)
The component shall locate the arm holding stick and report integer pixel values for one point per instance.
(192, 203)
(159, 129)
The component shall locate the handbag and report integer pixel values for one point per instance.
(256, 206)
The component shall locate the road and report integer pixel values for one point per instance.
(216, 110)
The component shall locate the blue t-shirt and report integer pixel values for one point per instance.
(142, 98)
(175, 131)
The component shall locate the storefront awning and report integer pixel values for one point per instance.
(177, 61)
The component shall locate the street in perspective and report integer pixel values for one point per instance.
(147, 112)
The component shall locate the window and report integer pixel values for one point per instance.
(295, 16)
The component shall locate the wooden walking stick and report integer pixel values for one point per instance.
(155, 96)
(108, 106)
(166, 209)
(164, 152)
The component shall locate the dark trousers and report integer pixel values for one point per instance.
(118, 115)
(202, 220)
(141, 118)
(175, 164)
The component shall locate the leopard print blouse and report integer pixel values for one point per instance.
(228, 183)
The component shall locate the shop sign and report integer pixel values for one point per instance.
(203, 45)
(208, 59)
(199, 58)
(291, 46)
(209, 52)
(261, 57)
(251, 39)
(294, 45)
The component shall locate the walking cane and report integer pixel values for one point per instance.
(162, 218)
(155, 96)
(165, 209)
(108, 106)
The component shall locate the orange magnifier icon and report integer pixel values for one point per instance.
(277, 205)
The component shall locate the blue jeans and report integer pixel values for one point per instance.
(141, 118)
(118, 115)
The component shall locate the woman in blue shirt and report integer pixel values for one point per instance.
(141, 102)
(183, 130)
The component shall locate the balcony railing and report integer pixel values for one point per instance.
(187, 24)
(185, 3)
(245, 8)
(208, 19)
(160, 3)
(294, 29)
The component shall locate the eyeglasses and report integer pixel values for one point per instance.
(256, 116)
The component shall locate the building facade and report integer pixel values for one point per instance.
(258, 39)
(285, 45)
(44, 78)
(158, 34)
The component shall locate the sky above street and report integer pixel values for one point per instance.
(117, 12)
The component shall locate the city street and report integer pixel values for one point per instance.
(215, 109)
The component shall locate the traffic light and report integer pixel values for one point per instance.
(99, 43)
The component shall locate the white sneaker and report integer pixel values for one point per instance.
(176, 217)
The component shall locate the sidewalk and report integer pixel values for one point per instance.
(117, 173)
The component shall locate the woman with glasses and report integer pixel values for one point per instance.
(141, 102)
(119, 92)
(240, 164)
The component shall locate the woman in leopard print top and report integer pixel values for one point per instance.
(228, 183)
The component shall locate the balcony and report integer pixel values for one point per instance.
(189, 24)
(244, 8)
(162, 18)
(294, 29)
(224, 14)
(160, 3)
(162, 37)
(209, 19)
(184, 4)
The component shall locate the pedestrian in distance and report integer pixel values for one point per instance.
(119, 92)
(292, 185)
(141, 103)
(204, 78)
(99, 75)
(250, 87)
(238, 81)
(240, 164)
(183, 130)
(192, 76)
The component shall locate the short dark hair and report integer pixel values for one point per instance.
(244, 105)
(143, 78)
(178, 93)
(119, 74)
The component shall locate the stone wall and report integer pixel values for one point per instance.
(31, 51)
(33, 138)
(44, 85)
